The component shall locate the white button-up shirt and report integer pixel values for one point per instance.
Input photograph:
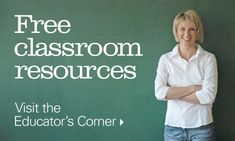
(174, 71)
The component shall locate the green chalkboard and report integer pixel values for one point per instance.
(129, 106)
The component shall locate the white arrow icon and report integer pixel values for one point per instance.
(121, 122)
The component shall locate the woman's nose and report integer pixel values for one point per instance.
(186, 33)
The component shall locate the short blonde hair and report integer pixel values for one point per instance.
(192, 16)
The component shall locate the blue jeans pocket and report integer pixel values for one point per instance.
(203, 133)
(173, 133)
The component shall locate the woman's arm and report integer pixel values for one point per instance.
(192, 98)
(210, 81)
(183, 93)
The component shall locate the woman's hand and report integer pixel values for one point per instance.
(196, 87)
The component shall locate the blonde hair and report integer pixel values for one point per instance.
(192, 16)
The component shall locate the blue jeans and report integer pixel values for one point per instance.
(202, 133)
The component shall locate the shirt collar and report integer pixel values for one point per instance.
(175, 51)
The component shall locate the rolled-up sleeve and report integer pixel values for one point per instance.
(161, 87)
(209, 87)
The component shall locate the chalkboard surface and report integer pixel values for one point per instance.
(130, 103)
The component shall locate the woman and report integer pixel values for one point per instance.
(187, 80)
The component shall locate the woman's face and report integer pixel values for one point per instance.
(187, 33)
